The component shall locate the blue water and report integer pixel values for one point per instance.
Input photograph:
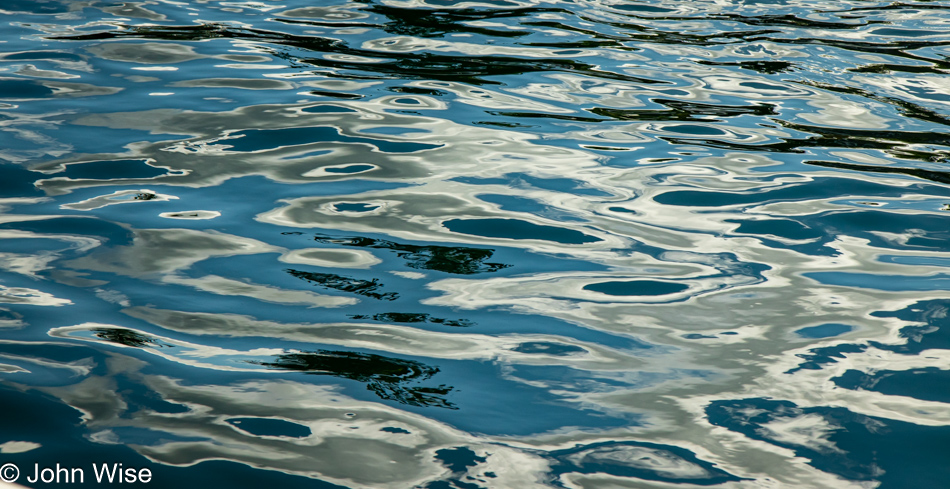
(476, 244)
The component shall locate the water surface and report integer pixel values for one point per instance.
(477, 244)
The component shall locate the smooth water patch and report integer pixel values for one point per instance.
(517, 229)
(637, 288)
(883, 282)
(355, 207)
(824, 331)
(349, 169)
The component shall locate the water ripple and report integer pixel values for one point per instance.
(488, 243)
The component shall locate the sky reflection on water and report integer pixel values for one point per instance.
(391, 244)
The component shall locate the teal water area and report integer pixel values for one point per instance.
(476, 244)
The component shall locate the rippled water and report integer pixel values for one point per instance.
(477, 244)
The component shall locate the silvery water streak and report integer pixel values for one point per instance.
(477, 244)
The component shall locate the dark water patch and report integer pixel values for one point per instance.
(907, 32)
(517, 229)
(930, 175)
(637, 7)
(818, 189)
(767, 87)
(458, 459)
(605, 148)
(35, 6)
(405, 101)
(393, 429)
(355, 207)
(824, 331)
(388, 378)
(340, 95)
(637, 288)
(853, 446)
(15, 89)
(573, 45)
(263, 139)
(409, 317)
(349, 169)
(128, 337)
(17, 181)
(436, 22)
(892, 68)
(540, 115)
(366, 288)
(418, 91)
(204, 31)
(791, 20)
(547, 348)
(764, 67)
(892, 283)
(510, 125)
(363, 367)
(114, 169)
(834, 137)
(696, 336)
(623, 210)
(693, 129)
(449, 259)
(328, 109)
(680, 110)
(40, 55)
(270, 427)
(472, 70)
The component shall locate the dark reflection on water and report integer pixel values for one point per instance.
(409, 317)
(449, 259)
(365, 288)
(386, 377)
(620, 244)
(128, 337)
